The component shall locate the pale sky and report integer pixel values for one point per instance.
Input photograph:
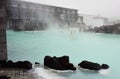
(107, 8)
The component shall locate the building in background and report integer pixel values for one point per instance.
(80, 23)
(22, 15)
(113, 21)
(91, 21)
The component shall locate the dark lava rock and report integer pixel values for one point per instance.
(10, 64)
(23, 64)
(89, 65)
(20, 64)
(27, 65)
(104, 66)
(58, 63)
(37, 63)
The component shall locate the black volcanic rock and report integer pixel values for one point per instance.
(10, 64)
(23, 64)
(37, 63)
(20, 64)
(52, 62)
(27, 65)
(89, 65)
(104, 66)
(58, 63)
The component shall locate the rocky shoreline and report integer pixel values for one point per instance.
(20, 69)
(92, 66)
(59, 63)
(108, 29)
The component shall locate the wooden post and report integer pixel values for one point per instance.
(3, 43)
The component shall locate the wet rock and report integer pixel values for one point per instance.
(104, 66)
(71, 66)
(63, 59)
(27, 65)
(52, 62)
(23, 64)
(10, 64)
(37, 64)
(89, 65)
(20, 64)
(58, 63)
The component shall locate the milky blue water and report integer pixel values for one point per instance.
(100, 48)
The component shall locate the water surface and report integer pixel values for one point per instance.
(100, 48)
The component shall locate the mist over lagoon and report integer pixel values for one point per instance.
(106, 8)
(58, 36)
(100, 48)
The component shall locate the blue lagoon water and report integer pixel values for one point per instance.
(79, 46)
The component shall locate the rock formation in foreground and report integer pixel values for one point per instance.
(58, 63)
(92, 66)
(20, 64)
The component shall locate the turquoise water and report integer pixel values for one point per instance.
(100, 48)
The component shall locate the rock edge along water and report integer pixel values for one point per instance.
(92, 66)
(58, 63)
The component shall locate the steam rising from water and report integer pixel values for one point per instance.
(41, 73)
(104, 71)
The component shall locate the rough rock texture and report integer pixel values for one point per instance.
(89, 65)
(92, 66)
(58, 63)
(104, 66)
(20, 64)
